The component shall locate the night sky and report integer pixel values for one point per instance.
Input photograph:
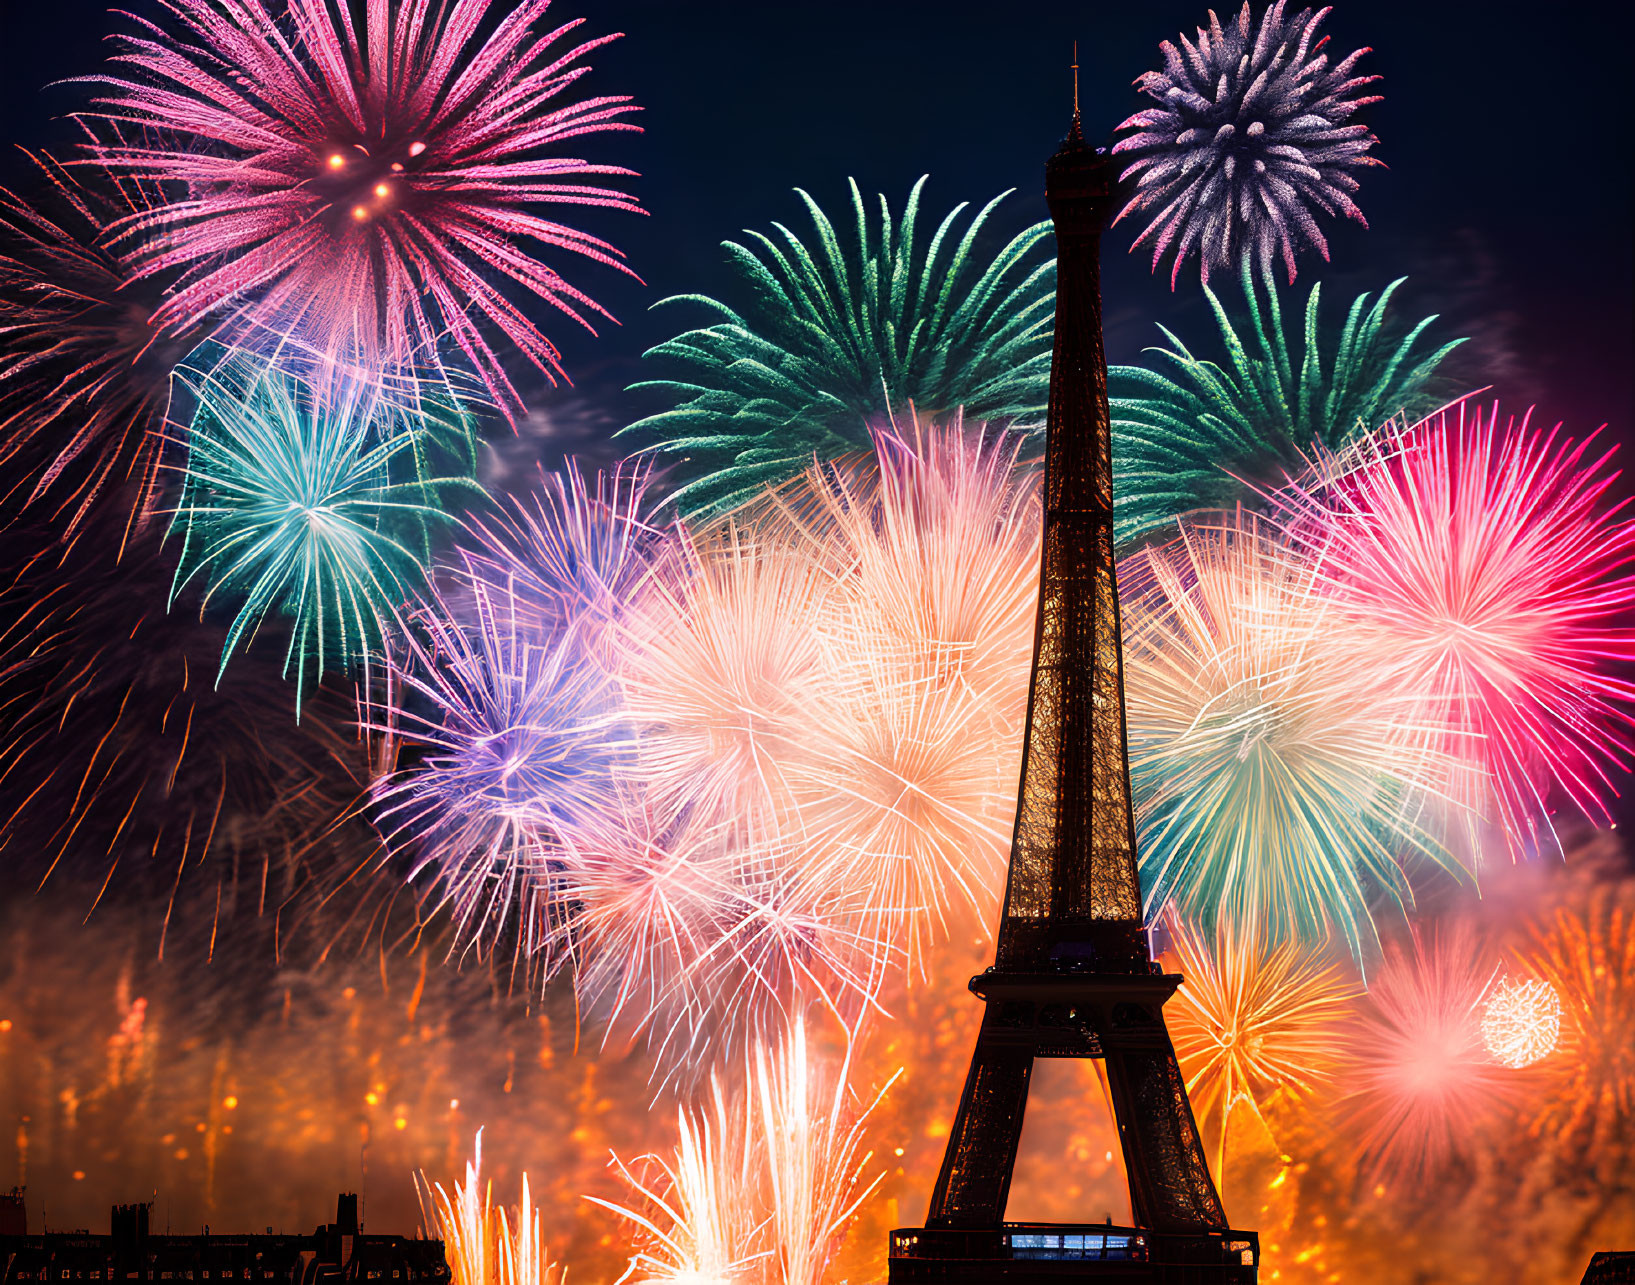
(1506, 201)
(1505, 128)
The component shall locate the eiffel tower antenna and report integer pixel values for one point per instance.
(1075, 80)
(1073, 974)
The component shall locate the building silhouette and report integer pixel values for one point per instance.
(339, 1252)
(1073, 975)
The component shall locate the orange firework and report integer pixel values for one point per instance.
(1253, 1018)
(483, 1245)
(1585, 950)
(761, 1190)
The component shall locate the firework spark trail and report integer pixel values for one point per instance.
(838, 335)
(118, 752)
(310, 508)
(1253, 1018)
(1486, 570)
(84, 371)
(1272, 770)
(483, 1245)
(702, 1198)
(355, 194)
(768, 1193)
(1248, 141)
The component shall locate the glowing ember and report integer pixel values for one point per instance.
(1521, 1021)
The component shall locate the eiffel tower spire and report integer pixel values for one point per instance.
(1072, 975)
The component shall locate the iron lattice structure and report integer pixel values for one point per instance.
(1073, 975)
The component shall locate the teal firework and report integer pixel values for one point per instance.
(321, 510)
(836, 332)
(1196, 432)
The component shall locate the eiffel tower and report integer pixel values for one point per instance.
(1073, 975)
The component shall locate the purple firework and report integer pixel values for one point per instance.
(1250, 136)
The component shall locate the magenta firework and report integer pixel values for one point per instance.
(362, 195)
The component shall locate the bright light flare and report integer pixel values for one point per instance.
(1521, 1021)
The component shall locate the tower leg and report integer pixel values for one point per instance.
(975, 1180)
(1170, 1186)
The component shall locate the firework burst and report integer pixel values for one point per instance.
(718, 665)
(685, 931)
(361, 194)
(1252, 1019)
(1487, 571)
(512, 738)
(1272, 774)
(1422, 1083)
(841, 335)
(1521, 1021)
(572, 553)
(1250, 137)
(1194, 434)
(1584, 950)
(309, 509)
(84, 368)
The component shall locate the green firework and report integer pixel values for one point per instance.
(835, 335)
(1193, 433)
(318, 509)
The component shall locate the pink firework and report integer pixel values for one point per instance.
(1487, 570)
(1421, 1083)
(700, 939)
(359, 193)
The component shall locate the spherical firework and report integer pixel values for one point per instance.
(836, 336)
(1249, 138)
(514, 737)
(1521, 1021)
(1195, 434)
(1487, 572)
(1253, 1018)
(305, 508)
(1272, 777)
(360, 194)
(1420, 1081)
(84, 368)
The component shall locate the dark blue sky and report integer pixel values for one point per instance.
(1506, 201)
